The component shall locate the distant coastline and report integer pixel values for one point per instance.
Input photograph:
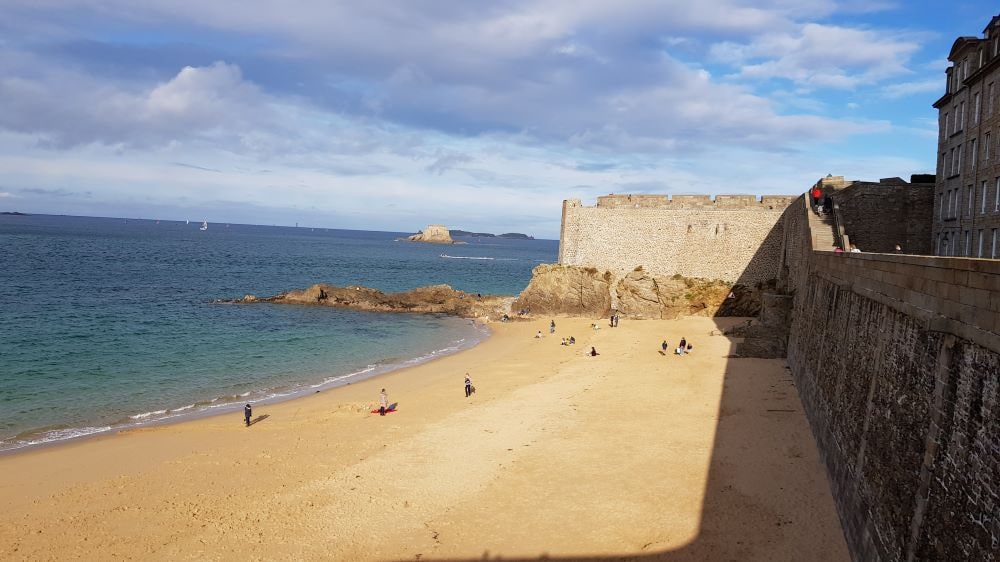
(14, 214)
(511, 235)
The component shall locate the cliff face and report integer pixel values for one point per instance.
(555, 289)
(573, 290)
(433, 234)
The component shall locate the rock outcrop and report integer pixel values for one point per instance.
(434, 234)
(573, 290)
(439, 299)
(557, 289)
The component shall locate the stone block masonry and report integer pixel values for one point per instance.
(734, 238)
(897, 364)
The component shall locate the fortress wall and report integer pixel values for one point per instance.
(897, 364)
(877, 216)
(735, 238)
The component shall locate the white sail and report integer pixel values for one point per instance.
(204, 226)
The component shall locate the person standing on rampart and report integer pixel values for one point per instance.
(816, 196)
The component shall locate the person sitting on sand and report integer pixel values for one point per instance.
(572, 340)
(563, 342)
(538, 335)
(597, 326)
(383, 401)
(593, 352)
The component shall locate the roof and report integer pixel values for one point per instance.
(992, 21)
(960, 44)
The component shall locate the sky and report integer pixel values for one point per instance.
(477, 115)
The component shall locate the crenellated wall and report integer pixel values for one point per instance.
(897, 363)
(735, 238)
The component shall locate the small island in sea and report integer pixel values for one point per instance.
(15, 214)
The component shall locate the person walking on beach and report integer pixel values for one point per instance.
(468, 386)
(664, 346)
(383, 402)
(552, 327)
(682, 347)
(247, 413)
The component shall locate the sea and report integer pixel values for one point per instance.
(108, 324)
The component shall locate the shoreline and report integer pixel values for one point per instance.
(219, 406)
(558, 454)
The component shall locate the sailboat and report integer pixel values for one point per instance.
(187, 222)
(204, 226)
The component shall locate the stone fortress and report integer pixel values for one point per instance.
(678, 234)
(895, 355)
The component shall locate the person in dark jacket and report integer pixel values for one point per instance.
(247, 413)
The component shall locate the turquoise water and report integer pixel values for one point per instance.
(106, 324)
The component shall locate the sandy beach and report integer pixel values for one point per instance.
(628, 455)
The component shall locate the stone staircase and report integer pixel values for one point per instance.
(823, 232)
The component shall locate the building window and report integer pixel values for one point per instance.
(993, 250)
(982, 210)
(989, 100)
(974, 153)
(958, 152)
(970, 200)
(979, 250)
(968, 244)
(961, 117)
(944, 130)
(986, 148)
(975, 109)
(996, 195)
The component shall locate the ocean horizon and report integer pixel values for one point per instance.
(110, 323)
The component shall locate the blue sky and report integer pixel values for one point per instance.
(482, 116)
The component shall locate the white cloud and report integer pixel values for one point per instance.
(817, 55)
(904, 89)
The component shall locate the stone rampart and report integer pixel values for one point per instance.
(897, 363)
(878, 216)
(735, 238)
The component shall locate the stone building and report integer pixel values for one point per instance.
(967, 192)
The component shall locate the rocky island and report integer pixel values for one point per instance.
(433, 234)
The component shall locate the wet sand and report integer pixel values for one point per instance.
(630, 454)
